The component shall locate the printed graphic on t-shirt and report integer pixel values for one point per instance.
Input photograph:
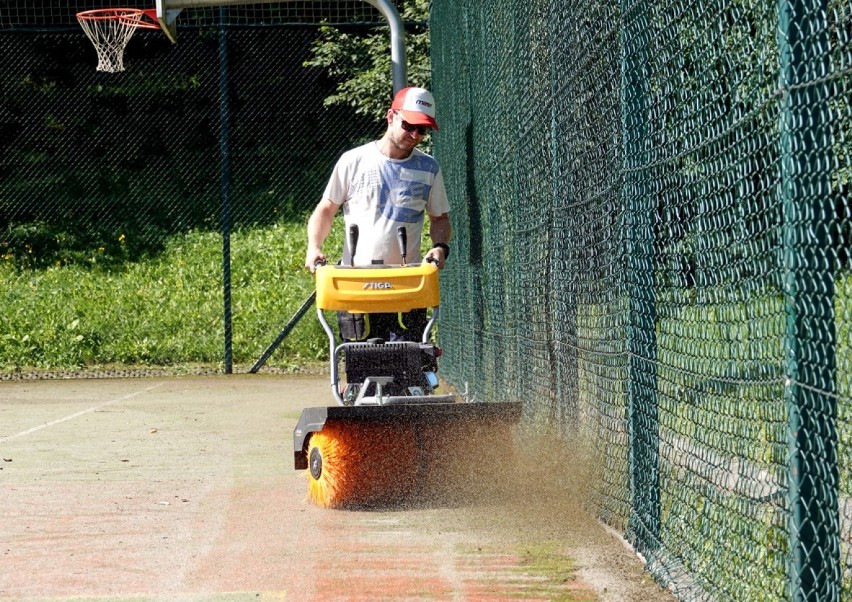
(405, 189)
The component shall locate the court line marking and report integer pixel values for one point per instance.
(80, 413)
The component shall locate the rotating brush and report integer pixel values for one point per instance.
(361, 464)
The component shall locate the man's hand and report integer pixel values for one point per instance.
(438, 255)
(313, 257)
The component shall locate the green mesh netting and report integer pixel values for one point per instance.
(653, 223)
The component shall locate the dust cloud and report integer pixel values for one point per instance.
(521, 480)
(534, 492)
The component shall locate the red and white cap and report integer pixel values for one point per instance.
(416, 106)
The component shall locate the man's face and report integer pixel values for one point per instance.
(405, 136)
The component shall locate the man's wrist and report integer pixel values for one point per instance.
(445, 247)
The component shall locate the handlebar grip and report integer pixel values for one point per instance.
(402, 239)
(353, 242)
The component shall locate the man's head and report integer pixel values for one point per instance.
(415, 106)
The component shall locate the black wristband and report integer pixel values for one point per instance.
(445, 247)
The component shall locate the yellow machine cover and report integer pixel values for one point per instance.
(381, 289)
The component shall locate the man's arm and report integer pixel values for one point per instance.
(440, 231)
(319, 225)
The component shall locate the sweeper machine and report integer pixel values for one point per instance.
(391, 436)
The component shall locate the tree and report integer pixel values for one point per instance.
(361, 63)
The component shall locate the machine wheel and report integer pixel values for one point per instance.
(361, 464)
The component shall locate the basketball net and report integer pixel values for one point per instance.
(110, 29)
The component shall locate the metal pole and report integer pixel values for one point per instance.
(638, 230)
(284, 332)
(225, 186)
(810, 341)
(168, 10)
(397, 34)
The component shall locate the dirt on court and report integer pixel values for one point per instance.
(184, 489)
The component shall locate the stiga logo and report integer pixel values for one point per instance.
(377, 286)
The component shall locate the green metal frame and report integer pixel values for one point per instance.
(642, 412)
(810, 342)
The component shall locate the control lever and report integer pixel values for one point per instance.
(353, 243)
(402, 238)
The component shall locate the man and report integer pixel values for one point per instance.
(381, 186)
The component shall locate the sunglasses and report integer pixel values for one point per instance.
(410, 127)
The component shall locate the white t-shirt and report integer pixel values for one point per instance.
(379, 194)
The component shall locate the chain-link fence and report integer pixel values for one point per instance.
(652, 212)
(129, 200)
(652, 215)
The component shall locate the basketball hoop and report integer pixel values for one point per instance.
(110, 29)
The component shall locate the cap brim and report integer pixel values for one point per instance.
(418, 118)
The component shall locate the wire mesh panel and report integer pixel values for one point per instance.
(116, 188)
(672, 182)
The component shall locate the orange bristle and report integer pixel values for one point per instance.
(362, 464)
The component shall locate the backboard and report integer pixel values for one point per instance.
(167, 15)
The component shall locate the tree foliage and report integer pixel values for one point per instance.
(361, 62)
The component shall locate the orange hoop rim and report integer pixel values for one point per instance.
(134, 17)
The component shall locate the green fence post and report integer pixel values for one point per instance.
(643, 422)
(810, 389)
(225, 187)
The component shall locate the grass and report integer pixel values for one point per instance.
(163, 310)
(556, 574)
(539, 570)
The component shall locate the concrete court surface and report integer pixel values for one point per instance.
(184, 489)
